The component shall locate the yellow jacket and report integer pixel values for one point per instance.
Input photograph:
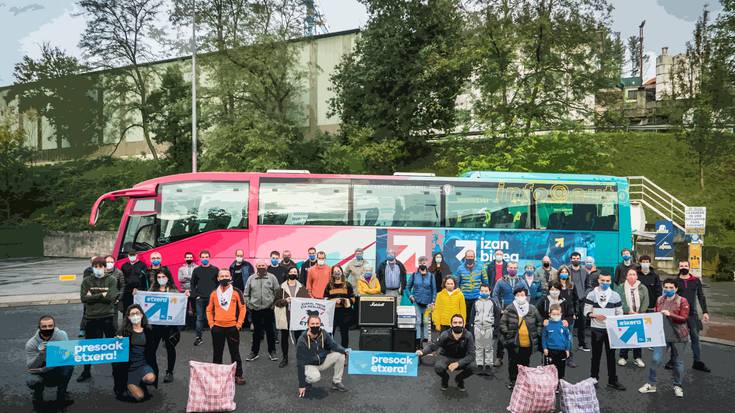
(447, 305)
(372, 288)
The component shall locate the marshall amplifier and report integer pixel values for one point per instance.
(377, 311)
(376, 339)
(404, 340)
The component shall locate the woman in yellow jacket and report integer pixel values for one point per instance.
(449, 301)
(368, 284)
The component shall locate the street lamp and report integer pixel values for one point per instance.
(193, 88)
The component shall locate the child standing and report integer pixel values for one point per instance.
(484, 320)
(556, 341)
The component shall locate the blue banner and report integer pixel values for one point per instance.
(383, 363)
(664, 240)
(80, 352)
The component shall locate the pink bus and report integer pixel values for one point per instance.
(525, 215)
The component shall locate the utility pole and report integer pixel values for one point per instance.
(193, 87)
(640, 50)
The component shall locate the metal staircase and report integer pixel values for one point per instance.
(653, 198)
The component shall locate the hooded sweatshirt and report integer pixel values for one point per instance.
(35, 358)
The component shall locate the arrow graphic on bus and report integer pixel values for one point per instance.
(466, 245)
(415, 245)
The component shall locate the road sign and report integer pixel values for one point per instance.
(664, 240)
(695, 219)
(695, 259)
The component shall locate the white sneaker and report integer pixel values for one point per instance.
(678, 392)
(648, 388)
(639, 363)
(622, 362)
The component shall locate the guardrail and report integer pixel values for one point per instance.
(656, 199)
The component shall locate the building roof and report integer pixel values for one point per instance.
(651, 81)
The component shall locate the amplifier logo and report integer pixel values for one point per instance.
(377, 304)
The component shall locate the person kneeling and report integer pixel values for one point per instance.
(317, 351)
(39, 376)
(456, 352)
(141, 370)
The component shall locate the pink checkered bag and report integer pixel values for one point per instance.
(535, 390)
(211, 387)
(580, 397)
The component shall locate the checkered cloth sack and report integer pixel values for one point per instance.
(535, 390)
(211, 387)
(580, 397)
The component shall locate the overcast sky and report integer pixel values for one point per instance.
(28, 23)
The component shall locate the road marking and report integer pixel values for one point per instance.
(24, 264)
(67, 277)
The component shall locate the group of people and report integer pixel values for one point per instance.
(481, 311)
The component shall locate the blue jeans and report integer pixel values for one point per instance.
(658, 355)
(420, 326)
(56, 377)
(202, 304)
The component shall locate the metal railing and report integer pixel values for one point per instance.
(656, 199)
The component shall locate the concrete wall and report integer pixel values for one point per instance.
(78, 244)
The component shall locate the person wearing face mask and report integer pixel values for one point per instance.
(157, 267)
(368, 284)
(567, 284)
(340, 291)
(556, 341)
(503, 291)
(115, 273)
(133, 377)
(356, 267)
(470, 277)
(275, 268)
(622, 268)
(546, 273)
(440, 269)
(289, 289)
(85, 274)
(225, 315)
(170, 335)
(392, 275)
(577, 272)
(497, 269)
(566, 298)
(591, 272)
(449, 301)
(536, 287)
(456, 352)
(39, 376)
(648, 276)
(422, 293)
(318, 276)
(635, 301)
(675, 310)
(99, 295)
(311, 261)
(520, 326)
(287, 263)
(599, 303)
(316, 351)
(136, 277)
(240, 271)
(183, 281)
(690, 287)
(485, 313)
(260, 294)
(203, 283)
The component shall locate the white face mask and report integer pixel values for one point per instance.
(162, 281)
(132, 258)
(135, 319)
(438, 260)
(320, 262)
(555, 318)
(110, 265)
(498, 258)
(238, 259)
(645, 266)
(520, 300)
(554, 293)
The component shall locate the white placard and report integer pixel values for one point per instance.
(163, 308)
(636, 330)
(695, 220)
(299, 315)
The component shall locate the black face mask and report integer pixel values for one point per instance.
(261, 271)
(224, 283)
(286, 259)
(575, 263)
(292, 276)
(469, 261)
(683, 271)
(46, 334)
(547, 264)
(457, 329)
(315, 330)
(188, 262)
(422, 268)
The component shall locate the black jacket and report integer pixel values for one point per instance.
(621, 270)
(240, 273)
(691, 289)
(120, 370)
(462, 350)
(279, 271)
(653, 284)
(304, 269)
(313, 352)
(153, 272)
(491, 273)
(440, 271)
(381, 275)
(567, 308)
(136, 277)
(204, 281)
(509, 325)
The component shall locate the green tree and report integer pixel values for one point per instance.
(54, 87)
(116, 38)
(405, 73)
(15, 173)
(170, 111)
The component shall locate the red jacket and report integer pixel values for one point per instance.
(678, 313)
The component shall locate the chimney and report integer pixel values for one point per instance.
(664, 51)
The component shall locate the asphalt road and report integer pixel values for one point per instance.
(270, 389)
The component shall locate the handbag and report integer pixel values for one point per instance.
(281, 314)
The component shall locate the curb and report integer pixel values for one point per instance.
(719, 341)
(46, 299)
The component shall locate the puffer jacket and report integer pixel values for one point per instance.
(509, 325)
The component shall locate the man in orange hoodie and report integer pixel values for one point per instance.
(225, 315)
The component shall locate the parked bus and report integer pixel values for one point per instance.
(526, 215)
